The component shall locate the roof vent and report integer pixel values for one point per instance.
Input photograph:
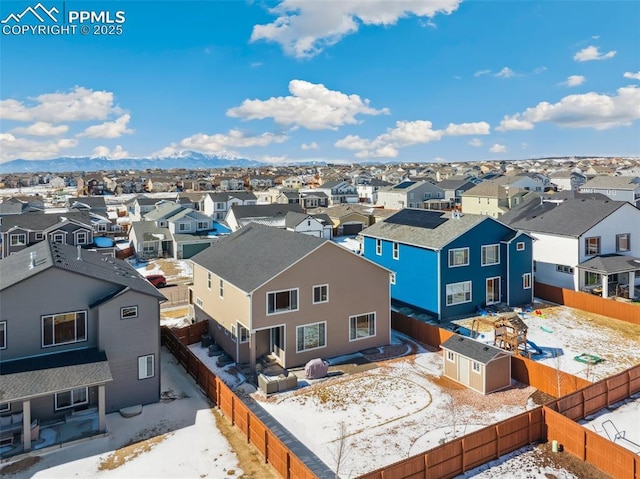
(486, 348)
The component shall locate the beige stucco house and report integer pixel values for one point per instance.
(270, 291)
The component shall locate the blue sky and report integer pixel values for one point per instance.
(341, 81)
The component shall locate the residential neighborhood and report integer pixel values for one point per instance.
(305, 281)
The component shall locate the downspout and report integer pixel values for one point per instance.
(508, 273)
(439, 285)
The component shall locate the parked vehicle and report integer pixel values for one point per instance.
(158, 280)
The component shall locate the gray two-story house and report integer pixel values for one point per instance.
(91, 351)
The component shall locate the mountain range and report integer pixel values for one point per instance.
(184, 159)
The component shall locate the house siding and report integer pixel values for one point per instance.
(497, 374)
(520, 263)
(124, 340)
(413, 284)
(355, 287)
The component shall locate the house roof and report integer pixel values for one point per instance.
(340, 211)
(494, 189)
(469, 348)
(572, 216)
(225, 196)
(611, 263)
(425, 228)
(17, 267)
(148, 231)
(613, 182)
(254, 254)
(163, 211)
(41, 221)
(294, 218)
(43, 375)
(276, 210)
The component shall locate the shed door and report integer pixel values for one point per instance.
(463, 370)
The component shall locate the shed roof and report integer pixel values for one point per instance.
(469, 348)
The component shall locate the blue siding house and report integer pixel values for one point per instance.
(451, 264)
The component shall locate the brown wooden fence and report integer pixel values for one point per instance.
(287, 464)
(469, 451)
(589, 302)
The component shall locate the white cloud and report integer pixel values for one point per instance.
(109, 129)
(588, 110)
(475, 142)
(574, 80)
(506, 72)
(407, 133)
(305, 28)
(635, 76)
(479, 73)
(41, 128)
(478, 128)
(310, 105)
(498, 148)
(221, 143)
(309, 146)
(81, 104)
(592, 53)
(12, 147)
(117, 153)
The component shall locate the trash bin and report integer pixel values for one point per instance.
(205, 340)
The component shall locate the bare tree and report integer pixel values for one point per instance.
(342, 448)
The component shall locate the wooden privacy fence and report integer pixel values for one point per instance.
(469, 451)
(287, 464)
(589, 302)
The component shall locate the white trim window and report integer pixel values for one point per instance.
(451, 357)
(234, 332)
(39, 236)
(64, 328)
(321, 294)
(458, 293)
(209, 281)
(3, 335)
(623, 243)
(396, 250)
(526, 281)
(282, 301)
(184, 227)
(378, 247)
(592, 246)
(203, 225)
(520, 246)
(392, 278)
(475, 366)
(458, 257)
(128, 312)
(243, 334)
(18, 239)
(311, 336)
(146, 366)
(57, 237)
(5, 407)
(490, 254)
(561, 268)
(73, 398)
(362, 326)
(221, 288)
(82, 237)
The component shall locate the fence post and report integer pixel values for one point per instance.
(233, 410)
(266, 446)
(248, 427)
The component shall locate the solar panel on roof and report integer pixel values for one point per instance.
(419, 218)
(404, 184)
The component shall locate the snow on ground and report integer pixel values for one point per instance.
(228, 374)
(192, 446)
(619, 423)
(390, 413)
(182, 268)
(349, 242)
(563, 333)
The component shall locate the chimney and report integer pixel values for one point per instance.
(79, 249)
(32, 260)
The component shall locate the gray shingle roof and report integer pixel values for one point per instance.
(164, 211)
(469, 348)
(254, 254)
(611, 263)
(613, 182)
(146, 231)
(263, 211)
(570, 217)
(53, 373)
(417, 229)
(41, 221)
(15, 268)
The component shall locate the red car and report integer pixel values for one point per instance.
(158, 280)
